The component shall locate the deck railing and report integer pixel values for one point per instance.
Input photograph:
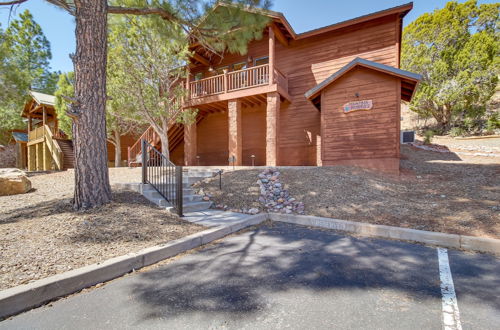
(236, 80)
(280, 79)
(134, 152)
(36, 134)
(54, 148)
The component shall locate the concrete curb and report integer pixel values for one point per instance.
(24, 297)
(479, 244)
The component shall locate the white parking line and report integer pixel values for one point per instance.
(451, 315)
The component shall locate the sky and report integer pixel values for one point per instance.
(59, 26)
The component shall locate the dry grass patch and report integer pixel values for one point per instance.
(435, 191)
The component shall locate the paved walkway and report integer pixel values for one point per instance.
(213, 218)
(284, 276)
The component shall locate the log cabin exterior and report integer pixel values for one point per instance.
(255, 108)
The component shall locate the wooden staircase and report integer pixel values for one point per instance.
(68, 153)
(175, 137)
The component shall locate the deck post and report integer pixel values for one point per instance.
(31, 157)
(44, 116)
(188, 85)
(225, 80)
(271, 55)
(235, 136)
(190, 147)
(272, 128)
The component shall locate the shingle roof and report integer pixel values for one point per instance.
(20, 137)
(42, 98)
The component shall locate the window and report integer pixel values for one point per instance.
(221, 69)
(261, 61)
(239, 66)
(198, 76)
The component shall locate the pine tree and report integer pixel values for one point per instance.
(88, 108)
(456, 50)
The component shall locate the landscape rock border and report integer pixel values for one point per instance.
(24, 297)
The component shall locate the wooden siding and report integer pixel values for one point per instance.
(361, 136)
(126, 141)
(307, 62)
(254, 135)
(212, 136)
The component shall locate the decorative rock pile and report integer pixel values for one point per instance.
(273, 195)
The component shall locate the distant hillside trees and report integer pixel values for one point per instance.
(24, 65)
(456, 50)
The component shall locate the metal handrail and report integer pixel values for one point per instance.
(163, 175)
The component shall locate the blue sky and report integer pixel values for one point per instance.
(59, 26)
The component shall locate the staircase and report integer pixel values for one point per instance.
(68, 154)
(191, 201)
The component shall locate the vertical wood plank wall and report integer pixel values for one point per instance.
(306, 63)
(366, 137)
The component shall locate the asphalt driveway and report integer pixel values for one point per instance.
(285, 276)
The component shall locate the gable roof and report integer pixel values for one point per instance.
(44, 99)
(410, 78)
(280, 18)
(281, 24)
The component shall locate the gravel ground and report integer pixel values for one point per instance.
(41, 235)
(435, 191)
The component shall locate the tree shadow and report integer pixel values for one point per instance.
(241, 274)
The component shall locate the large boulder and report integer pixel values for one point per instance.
(13, 181)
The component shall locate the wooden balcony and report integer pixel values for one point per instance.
(237, 84)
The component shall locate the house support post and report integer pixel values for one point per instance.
(31, 157)
(235, 134)
(47, 164)
(272, 56)
(39, 156)
(272, 128)
(190, 141)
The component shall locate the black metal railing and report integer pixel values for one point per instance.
(163, 175)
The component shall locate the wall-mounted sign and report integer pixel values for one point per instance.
(357, 105)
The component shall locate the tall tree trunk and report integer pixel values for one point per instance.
(118, 149)
(165, 150)
(92, 187)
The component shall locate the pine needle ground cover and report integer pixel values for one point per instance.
(41, 234)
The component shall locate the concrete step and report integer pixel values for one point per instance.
(200, 174)
(192, 207)
(185, 179)
(187, 196)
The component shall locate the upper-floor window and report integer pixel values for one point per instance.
(261, 61)
(239, 66)
(198, 76)
(220, 70)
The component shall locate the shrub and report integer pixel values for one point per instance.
(428, 135)
(493, 122)
(457, 131)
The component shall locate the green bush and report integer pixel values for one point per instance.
(457, 131)
(428, 135)
(493, 122)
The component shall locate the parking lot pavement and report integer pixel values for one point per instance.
(284, 276)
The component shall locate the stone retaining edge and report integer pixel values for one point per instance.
(24, 297)
(479, 244)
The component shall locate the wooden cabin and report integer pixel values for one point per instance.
(272, 105)
(46, 147)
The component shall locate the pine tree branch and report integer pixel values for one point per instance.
(11, 3)
(147, 11)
